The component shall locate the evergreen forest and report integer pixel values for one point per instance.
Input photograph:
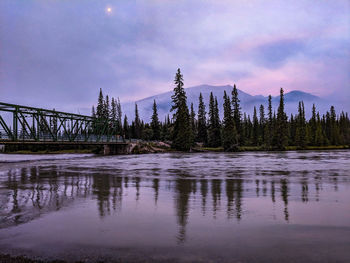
(269, 129)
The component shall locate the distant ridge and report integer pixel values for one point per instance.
(247, 101)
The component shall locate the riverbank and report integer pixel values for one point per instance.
(261, 148)
(162, 147)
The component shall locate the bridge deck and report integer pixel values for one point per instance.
(6, 142)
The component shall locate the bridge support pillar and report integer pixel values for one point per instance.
(113, 149)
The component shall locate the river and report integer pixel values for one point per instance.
(177, 207)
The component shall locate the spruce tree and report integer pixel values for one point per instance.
(269, 131)
(106, 110)
(300, 134)
(113, 115)
(119, 115)
(237, 112)
(262, 125)
(319, 135)
(214, 139)
(334, 136)
(229, 134)
(93, 113)
(193, 122)
(217, 122)
(155, 123)
(202, 135)
(182, 134)
(292, 130)
(281, 125)
(255, 128)
(313, 126)
(100, 105)
(126, 130)
(137, 124)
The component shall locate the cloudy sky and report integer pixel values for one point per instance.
(59, 53)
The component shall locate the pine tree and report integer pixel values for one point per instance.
(202, 122)
(106, 112)
(269, 130)
(93, 113)
(126, 130)
(300, 134)
(100, 105)
(155, 123)
(229, 134)
(182, 134)
(292, 130)
(237, 113)
(313, 126)
(137, 124)
(334, 136)
(344, 128)
(214, 139)
(255, 128)
(262, 124)
(113, 114)
(281, 125)
(319, 135)
(193, 122)
(119, 115)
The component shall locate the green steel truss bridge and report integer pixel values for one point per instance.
(23, 124)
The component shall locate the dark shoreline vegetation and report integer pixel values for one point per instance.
(194, 150)
(237, 131)
(187, 130)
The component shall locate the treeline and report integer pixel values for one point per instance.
(266, 129)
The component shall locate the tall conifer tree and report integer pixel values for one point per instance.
(229, 134)
(155, 122)
(202, 122)
(281, 125)
(214, 139)
(100, 105)
(182, 133)
(237, 112)
(137, 124)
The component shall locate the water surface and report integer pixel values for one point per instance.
(219, 207)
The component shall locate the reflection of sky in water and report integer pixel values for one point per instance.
(202, 204)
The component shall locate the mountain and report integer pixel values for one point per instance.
(247, 101)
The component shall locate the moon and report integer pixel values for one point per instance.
(109, 10)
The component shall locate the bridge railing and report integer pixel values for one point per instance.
(45, 137)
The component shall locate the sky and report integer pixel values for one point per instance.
(58, 54)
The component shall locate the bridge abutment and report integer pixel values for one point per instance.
(113, 149)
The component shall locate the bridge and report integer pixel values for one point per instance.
(20, 125)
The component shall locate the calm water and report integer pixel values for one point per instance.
(219, 207)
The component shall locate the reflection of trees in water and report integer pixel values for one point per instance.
(33, 191)
(101, 186)
(304, 191)
(264, 190)
(273, 198)
(234, 196)
(29, 192)
(284, 193)
(204, 192)
(257, 188)
(109, 191)
(216, 195)
(155, 186)
(183, 188)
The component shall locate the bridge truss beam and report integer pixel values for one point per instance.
(29, 124)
